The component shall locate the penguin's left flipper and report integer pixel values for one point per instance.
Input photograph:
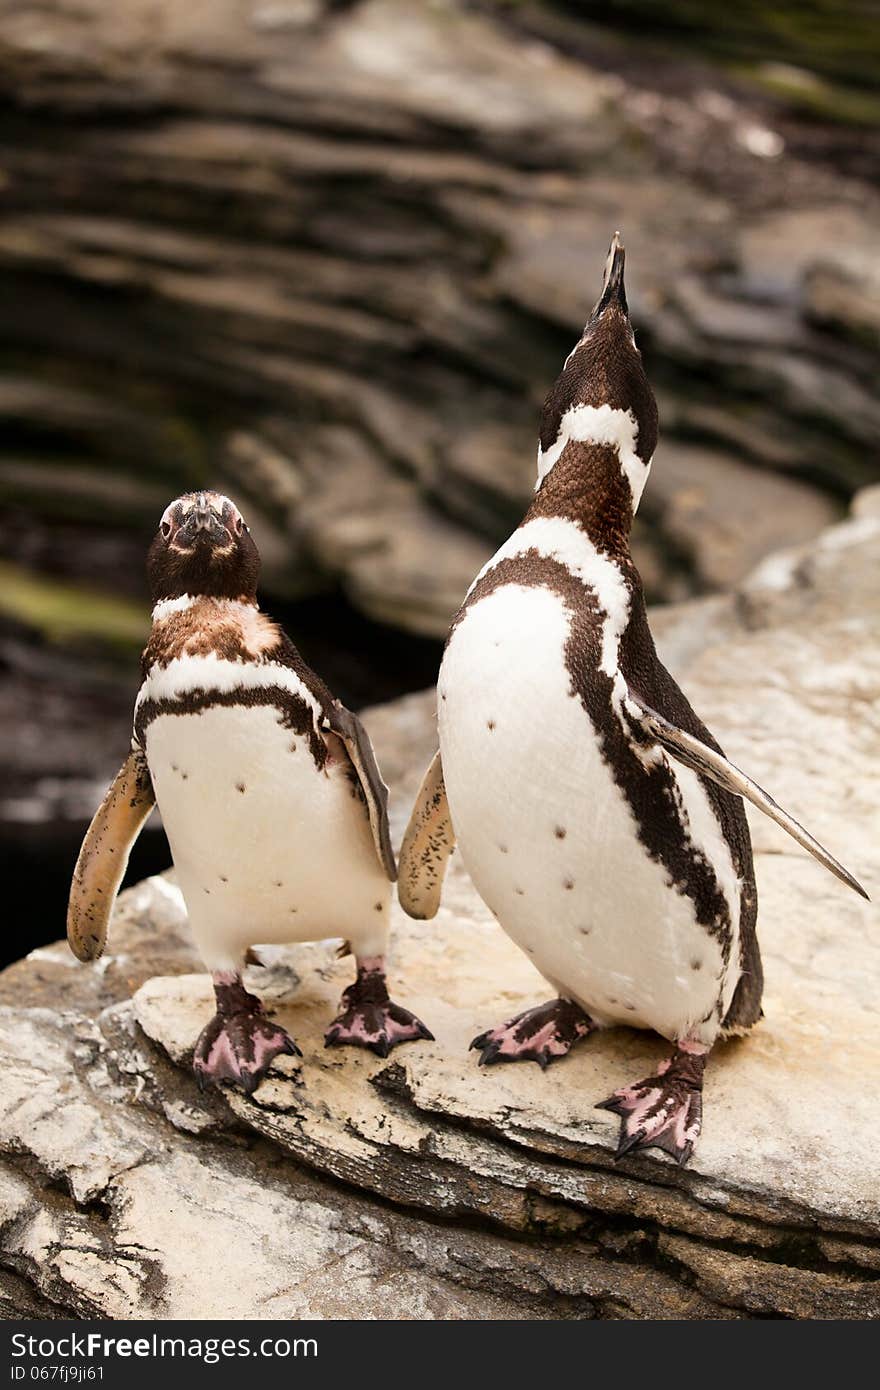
(103, 857)
(360, 752)
(708, 762)
(427, 844)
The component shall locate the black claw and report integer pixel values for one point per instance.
(627, 1142)
(641, 1141)
(250, 1080)
(425, 1033)
(492, 1056)
(611, 1104)
(381, 1047)
(669, 1146)
(481, 1041)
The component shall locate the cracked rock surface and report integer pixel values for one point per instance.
(422, 1187)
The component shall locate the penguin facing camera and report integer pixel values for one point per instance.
(597, 816)
(269, 792)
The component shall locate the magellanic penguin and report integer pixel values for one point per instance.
(597, 816)
(269, 792)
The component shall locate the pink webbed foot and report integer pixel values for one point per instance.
(664, 1111)
(541, 1035)
(370, 1018)
(240, 1042)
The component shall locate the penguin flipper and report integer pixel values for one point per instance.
(357, 743)
(427, 845)
(103, 857)
(708, 762)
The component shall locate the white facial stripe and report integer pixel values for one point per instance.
(605, 425)
(592, 424)
(213, 673)
(563, 540)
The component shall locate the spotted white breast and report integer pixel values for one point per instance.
(547, 834)
(268, 847)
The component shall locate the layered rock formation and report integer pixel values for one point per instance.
(422, 1187)
(332, 256)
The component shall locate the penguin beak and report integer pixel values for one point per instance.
(204, 522)
(613, 287)
(203, 514)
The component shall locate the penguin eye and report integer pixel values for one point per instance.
(165, 528)
(238, 524)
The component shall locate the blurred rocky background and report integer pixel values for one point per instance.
(330, 256)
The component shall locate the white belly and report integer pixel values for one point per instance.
(548, 837)
(266, 847)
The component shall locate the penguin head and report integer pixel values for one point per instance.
(602, 397)
(203, 547)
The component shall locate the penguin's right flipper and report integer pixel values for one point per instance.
(427, 845)
(103, 858)
(708, 762)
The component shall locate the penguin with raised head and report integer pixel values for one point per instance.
(597, 816)
(269, 792)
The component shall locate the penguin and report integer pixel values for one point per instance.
(597, 816)
(270, 795)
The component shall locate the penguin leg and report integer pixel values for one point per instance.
(665, 1111)
(240, 1042)
(541, 1035)
(368, 1017)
